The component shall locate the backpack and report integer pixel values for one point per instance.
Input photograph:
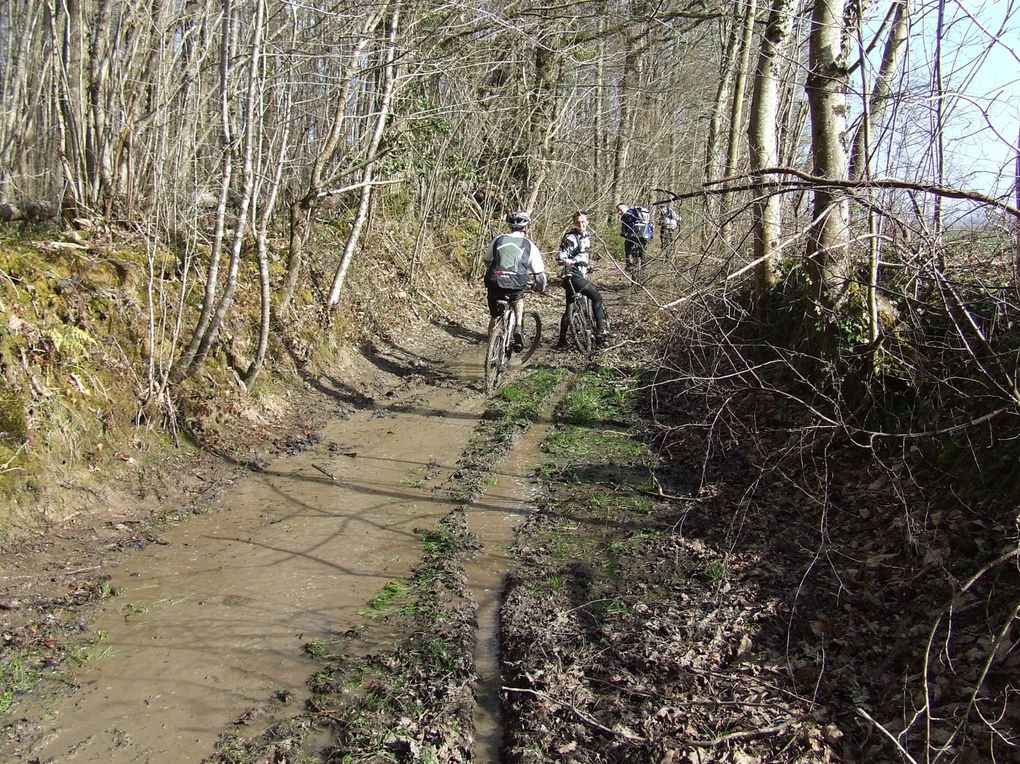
(642, 224)
(670, 219)
(509, 266)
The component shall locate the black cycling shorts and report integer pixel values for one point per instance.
(494, 294)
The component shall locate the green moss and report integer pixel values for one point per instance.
(13, 421)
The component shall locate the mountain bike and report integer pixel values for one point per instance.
(500, 350)
(581, 322)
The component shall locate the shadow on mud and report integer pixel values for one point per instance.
(391, 358)
(460, 332)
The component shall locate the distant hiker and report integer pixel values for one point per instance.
(509, 258)
(636, 230)
(669, 222)
(574, 255)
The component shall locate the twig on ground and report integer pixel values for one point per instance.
(330, 475)
(580, 715)
(733, 737)
(889, 735)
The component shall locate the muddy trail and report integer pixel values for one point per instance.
(210, 627)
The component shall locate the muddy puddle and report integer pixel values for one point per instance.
(213, 622)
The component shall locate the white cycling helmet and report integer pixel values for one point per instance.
(518, 220)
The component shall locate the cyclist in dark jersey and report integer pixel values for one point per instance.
(509, 258)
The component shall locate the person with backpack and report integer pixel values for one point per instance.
(636, 229)
(669, 223)
(509, 258)
(574, 255)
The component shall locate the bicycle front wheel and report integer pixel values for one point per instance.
(531, 328)
(580, 327)
(496, 357)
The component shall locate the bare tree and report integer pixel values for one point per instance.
(826, 90)
(389, 78)
(763, 142)
(302, 209)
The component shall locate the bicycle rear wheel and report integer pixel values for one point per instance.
(531, 327)
(580, 325)
(496, 357)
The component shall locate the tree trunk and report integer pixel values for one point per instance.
(302, 211)
(542, 123)
(723, 101)
(389, 76)
(763, 143)
(938, 130)
(261, 243)
(739, 84)
(185, 364)
(881, 92)
(247, 188)
(829, 235)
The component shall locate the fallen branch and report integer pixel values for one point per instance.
(743, 735)
(591, 722)
(889, 735)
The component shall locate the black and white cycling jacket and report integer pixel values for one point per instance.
(573, 253)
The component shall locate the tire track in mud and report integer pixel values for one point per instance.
(212, 623)
(494, 518)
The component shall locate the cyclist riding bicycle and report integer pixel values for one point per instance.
(509, 258)
(574, 256)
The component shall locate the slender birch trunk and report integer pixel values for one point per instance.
(247, 187)
(185, 363)
(630, 82)
(829, 236)
(354, 238)
(763, 143)
(881, 91)
(302, 210)
(723, 100)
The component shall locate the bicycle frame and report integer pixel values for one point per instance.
(500, 349)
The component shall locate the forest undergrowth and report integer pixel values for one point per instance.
(885, 535)
(716, 574)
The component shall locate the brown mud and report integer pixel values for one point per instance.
(210, 622)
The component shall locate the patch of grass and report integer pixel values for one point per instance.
(16, 677)
(569, 441)
(597, 398)
(522, 400)
(556, 582)
(642, 504)
(386, 597)
(608, 607)
(616, 546)
(438, 543)
(715, 570)
(599, 500)
(88, 650)
(582, 406)
(438, 655)
(317, 648)
(508, 414)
